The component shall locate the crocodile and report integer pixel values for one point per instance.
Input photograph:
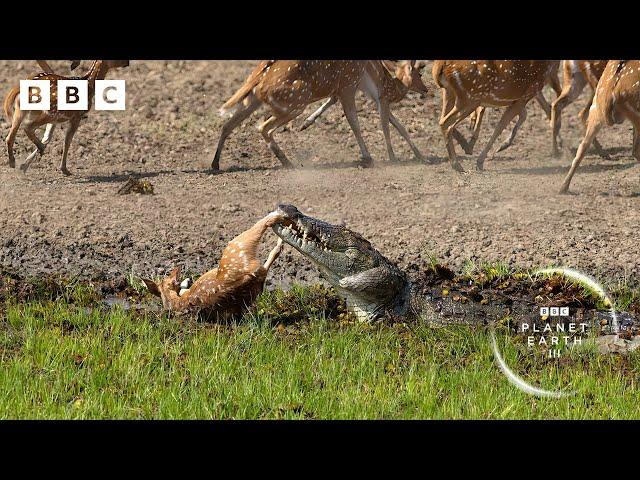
(371, 284)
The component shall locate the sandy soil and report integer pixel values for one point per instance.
(510, 212)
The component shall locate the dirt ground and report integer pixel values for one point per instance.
(410, 211)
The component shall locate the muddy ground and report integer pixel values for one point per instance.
(410, 211)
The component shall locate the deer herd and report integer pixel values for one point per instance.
(288, 87)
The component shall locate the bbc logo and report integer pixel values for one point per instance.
(72, 95)
(554, 311)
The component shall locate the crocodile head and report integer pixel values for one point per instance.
(370, 283)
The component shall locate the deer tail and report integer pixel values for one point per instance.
(9, 101)
(247, 87)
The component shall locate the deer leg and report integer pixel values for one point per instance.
(315, 115)
(30, 131)
(48, 132)
(18, 116)
(273, 255)
(71, 131)
(571, 90)
(348, 101)
(511, 111)
(634, 117)
(267, 129)
(236, 119)
(447, 125)
(584, 117)
(507, 143)
(476, 128)
(383, 110)
(403, 132)
(593, 126)
(544, 104)
(447, 104)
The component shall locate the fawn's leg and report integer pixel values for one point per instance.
(71, 131)
(315, 115)
(348, 101)
(236, 119)
(273, 255)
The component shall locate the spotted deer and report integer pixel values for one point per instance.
(32, 119)
(386, 83)
(228, 289)
(616, 99)
(469, 84)
(287, 87)
(477, 116)
(576, 74)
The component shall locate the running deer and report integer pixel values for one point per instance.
(576, 75)
(477, 116)
(228, 289)
(32, 119)
(616, 99)
(469, 84)
(386, 83)
(287, 87)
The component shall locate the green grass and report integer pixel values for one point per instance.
(296, 355)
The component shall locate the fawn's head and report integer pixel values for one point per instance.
(170, 282)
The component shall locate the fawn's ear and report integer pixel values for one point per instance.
(152, 286)
(174, 274)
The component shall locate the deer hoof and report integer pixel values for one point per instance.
(65, 171)
(365, 162)
(457, 167)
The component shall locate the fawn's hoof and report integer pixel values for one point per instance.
(65, 172)
(556, 153)
(23, 168)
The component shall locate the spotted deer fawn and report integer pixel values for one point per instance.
(616, 99)
(32, 119)
(287, 87)
(469, 84)
(228, 289)
(576, 75)
(385, 83)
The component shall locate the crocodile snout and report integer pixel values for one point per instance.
(288, 211)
